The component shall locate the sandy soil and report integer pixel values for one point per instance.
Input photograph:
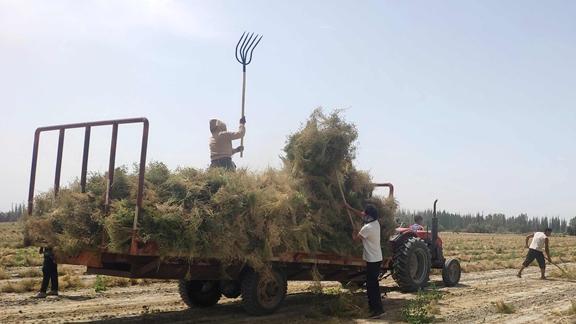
(534, 300)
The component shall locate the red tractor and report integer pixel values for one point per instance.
(415, 253)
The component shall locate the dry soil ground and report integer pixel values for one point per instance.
(473, 301)
(534, 301)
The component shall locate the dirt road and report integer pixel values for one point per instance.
(534, 301)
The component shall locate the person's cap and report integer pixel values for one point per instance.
(371, 211)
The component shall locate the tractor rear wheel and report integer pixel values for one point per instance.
(263, 294)
(199, 293)
(451, 272)
(411, 265)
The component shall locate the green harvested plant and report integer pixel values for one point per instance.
(233, 216)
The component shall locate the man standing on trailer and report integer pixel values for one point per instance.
(535, 251)
(221, 150)
(370, 236)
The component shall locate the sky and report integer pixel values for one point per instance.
(470, 102)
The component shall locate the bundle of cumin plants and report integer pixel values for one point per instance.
(233, 216)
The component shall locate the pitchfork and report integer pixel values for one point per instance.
(244, 50)
(557, 266)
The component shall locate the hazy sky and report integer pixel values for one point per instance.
(471, 102)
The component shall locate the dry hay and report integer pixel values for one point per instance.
(4, 274)
(233, 216)
(330, 302)
(20, 286)
(564, 271)
(504, 308)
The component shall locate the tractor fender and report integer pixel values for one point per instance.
(399, 238)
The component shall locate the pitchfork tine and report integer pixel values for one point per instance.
(252, 50)
(247, 49)
(245, 45)
(241, 51)
(252, 43)
(237, 45)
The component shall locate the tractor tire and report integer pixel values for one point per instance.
(411, 265)
(451, 272)
(262, 295)
(199, 293)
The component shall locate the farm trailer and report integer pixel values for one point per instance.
(202, 281)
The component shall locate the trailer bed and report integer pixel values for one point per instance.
(296, 266)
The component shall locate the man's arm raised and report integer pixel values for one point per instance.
(354, 210)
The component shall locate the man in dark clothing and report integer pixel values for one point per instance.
(49, 274)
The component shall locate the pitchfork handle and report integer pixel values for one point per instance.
(243, 102)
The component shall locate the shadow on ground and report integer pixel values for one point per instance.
(297, 308)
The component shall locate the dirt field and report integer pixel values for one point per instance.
(473, 301)
(534, 300)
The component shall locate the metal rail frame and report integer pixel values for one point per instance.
(111, 165)
(387, 185)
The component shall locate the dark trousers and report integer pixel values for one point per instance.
(535, 254)
(373, 286)
(49, 274)
(225, 163)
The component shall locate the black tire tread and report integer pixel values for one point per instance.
(250, 302)
(400, 267)
(196, 299)
(445, 277)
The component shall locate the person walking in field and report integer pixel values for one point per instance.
(535, 251)
(221, 150)
(369, 234)
(49, 274)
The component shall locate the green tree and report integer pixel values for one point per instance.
(571, 229)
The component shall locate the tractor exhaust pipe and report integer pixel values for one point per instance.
(434, 226)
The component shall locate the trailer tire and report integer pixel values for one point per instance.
(199, 293)
(263, 294)
(451, 272)
(411, 265)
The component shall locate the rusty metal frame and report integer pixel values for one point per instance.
(297, 265)
(388, 185)
(88, 126)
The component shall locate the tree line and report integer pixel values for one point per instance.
(15, 212)
(491, 223)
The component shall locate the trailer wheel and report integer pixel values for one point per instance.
(199, 293)
(411, 265)
(263, 294)
(451, 272)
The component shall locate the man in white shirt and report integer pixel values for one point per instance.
(221, 150)
(539, 243)
(369, 234)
